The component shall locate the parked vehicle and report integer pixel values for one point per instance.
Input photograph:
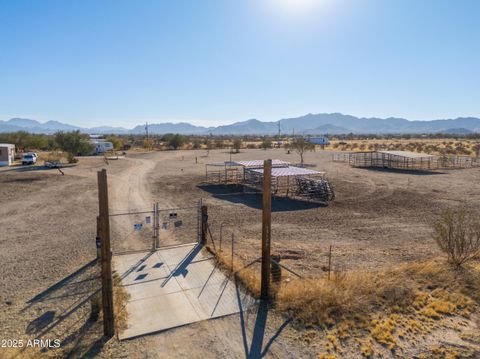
(53, 164)
(29, 159)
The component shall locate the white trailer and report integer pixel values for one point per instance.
(101, 146)
(7, 154)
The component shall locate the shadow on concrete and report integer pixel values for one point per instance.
(257, 349)
(181, 268)
(403, 171)
(235, 194)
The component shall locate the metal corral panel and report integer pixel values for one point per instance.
(289, 171)
(259, 163)
(406, 154)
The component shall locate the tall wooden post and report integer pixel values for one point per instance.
(97, 240)
(157, 225)
(204, 225)
(106, 256)
(266, 228)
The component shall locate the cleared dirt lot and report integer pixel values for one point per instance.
(47, 222)
(377, 218)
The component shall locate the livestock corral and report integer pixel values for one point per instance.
(287, 180)
(377, 220)
(406, 160)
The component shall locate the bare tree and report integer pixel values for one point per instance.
(457, 233)
(300, 145)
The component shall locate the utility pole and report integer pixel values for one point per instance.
(266, 228)
(146, 130)
(279, 130)
(106, 255)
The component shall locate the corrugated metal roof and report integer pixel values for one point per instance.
(289, 171)
(259, 163)
(406, 154)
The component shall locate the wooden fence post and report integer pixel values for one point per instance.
(266, 228)
(106, 256)
(204, 224)
(97, 240)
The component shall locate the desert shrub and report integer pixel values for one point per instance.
(237, 144)
(174, 140)
(147, 144)
(73, 143)
(219, 143)
(457, 233)
(196, 144)
(266, 144)
(71, 158)
(116, 141)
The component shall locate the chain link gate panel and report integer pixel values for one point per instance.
(149, 230)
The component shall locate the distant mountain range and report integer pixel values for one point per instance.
(311, 124)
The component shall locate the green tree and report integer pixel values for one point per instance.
(73, 143)
(300, 145)
(174, 140)
(237, 144)
(116, 141)
(196, 144)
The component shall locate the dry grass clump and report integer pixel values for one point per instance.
(248, 276)
(120, 299)
(377, 309)
(384, 307)
(321, 301)
(446, 352)
(28, 353)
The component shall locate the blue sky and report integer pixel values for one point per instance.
(210, 62)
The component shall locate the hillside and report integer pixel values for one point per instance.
(310, 124)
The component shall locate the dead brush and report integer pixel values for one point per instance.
(322, 301)
(120, 299)
(249, 277)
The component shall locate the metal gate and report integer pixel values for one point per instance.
(146, 230)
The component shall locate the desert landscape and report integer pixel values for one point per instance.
(380, 221)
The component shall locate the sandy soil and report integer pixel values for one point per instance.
(377, 218)
(47, 252)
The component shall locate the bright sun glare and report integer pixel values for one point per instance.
(296, 6)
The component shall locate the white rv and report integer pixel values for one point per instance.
(101, 145)
(323, 141)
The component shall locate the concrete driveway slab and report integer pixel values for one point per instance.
(173, 287)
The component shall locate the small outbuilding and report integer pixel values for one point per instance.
(7, 154)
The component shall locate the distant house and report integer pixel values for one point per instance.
(7, 154)
(101, 145)
(323, 141)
